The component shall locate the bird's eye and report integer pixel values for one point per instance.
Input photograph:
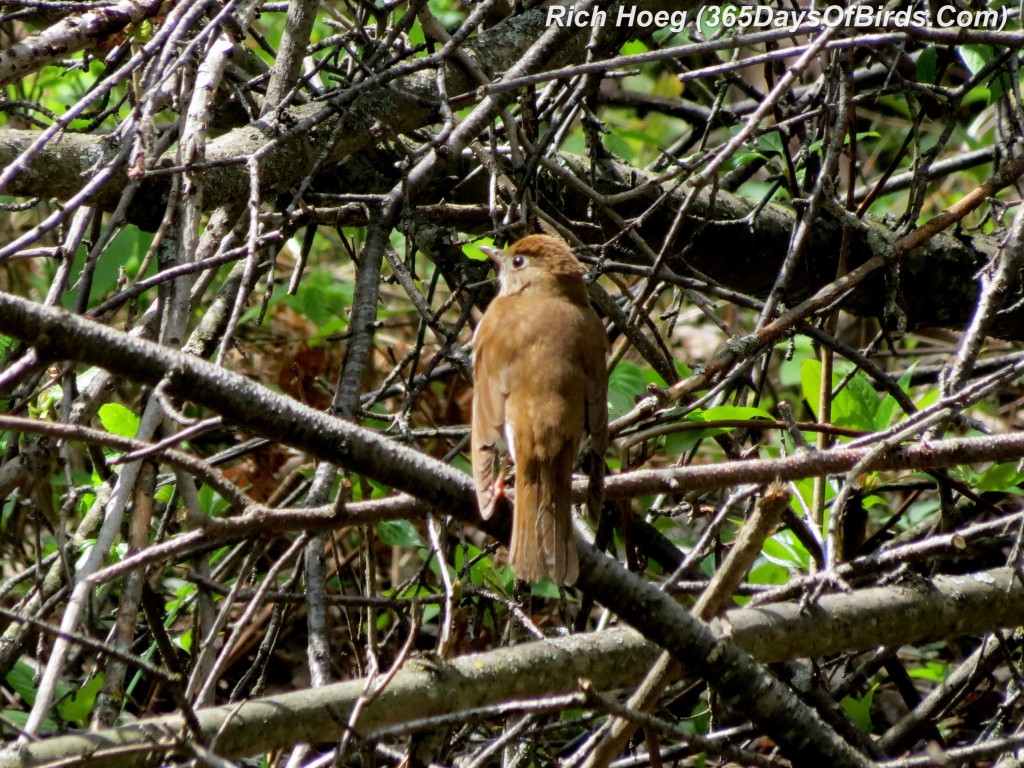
(518, 262)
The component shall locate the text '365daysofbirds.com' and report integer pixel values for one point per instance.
(762, 17)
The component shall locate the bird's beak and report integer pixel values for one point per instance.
(492, 253)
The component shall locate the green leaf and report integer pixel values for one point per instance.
(975, 57)
(626, 383)
(930, 670)
(926, 65)
(142, 32)
(1001, 477)
(77, 707)
(859, 709)
(130, 243)
(863, 404)
(449, 13)
(998, 85)
(20, 719)
(785, 549)
(633, 47)
(978, 95)
(472, 250)
(323, 299)
(618, 146)
(210, 502)
(20, 680)
(742, 158)
(768, 574)
(431, 612)
(6, 345)
(545, 588)
(416, 36)
(887, 408)
(735, 412)
(770, 143)
(853, 406)
(680, 442)
(810, 382)
(184, 641)
(399, 533)
(119, 420)
(765, 574)
(677, 443)
(930, 397)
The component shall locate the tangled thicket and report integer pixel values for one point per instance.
(240, 271)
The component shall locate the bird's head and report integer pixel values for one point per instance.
(536, 263)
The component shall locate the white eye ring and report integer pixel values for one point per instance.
(518, 262)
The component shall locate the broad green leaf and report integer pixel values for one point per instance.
(399, 533)
(472, 250)
(998, 85)
(980, 94)
(926, 65)
(735, 412)
(625, 384)
(975, 57)
(785, 549)
(617, 145)
(1001, 477)
(449, 13)
(742, 158)
(859, 709)
(930, 670)
(323, 299)
(20, 679)
(416, 36)
(767, 573)
(20, 719)
(184, 640)
(77, 707)
(431, 612)
(930, 397)
(678, 443)
(119, 420)
(863, 404)
(770, 143)
(810, 382)
(545, 588)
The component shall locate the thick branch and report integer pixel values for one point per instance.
(59, 335)
(74, 33)
(613, 659)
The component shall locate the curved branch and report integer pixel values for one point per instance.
(84, 32)
(612, 659)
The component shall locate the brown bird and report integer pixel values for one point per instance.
(541, 382)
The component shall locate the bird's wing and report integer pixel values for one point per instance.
(490, 390)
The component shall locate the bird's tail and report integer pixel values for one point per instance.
(543, 541)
